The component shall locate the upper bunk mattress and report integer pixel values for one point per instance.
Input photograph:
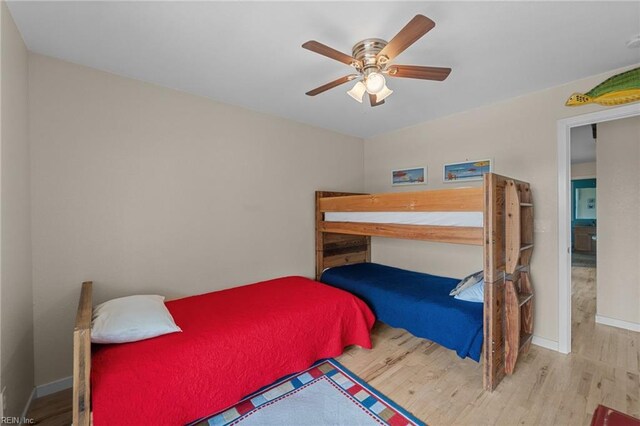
(470, 219)
(232, 343)
(417, 302)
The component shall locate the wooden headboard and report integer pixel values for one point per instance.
(506, 237)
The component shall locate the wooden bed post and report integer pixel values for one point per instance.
(494, 262)
(82, 358)
(319, 238)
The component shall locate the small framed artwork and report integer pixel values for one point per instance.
(466, 170)
(412, 176)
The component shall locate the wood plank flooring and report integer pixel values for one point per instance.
(52, 410)
(438, 387)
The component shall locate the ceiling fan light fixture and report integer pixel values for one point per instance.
(357, 92)
(373, 59)
(375, 83)
(383, 94)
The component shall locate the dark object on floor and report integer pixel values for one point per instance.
(605, 416)
(586, 260)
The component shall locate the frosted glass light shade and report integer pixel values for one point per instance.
(375, 83)
(357, 91)
(383, 94)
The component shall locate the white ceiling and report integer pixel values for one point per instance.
(583, 146)
(249, 54)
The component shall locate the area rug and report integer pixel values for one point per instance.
(324, 394)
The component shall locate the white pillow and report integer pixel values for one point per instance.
(131, 318)
(467, 282)
(475, 293)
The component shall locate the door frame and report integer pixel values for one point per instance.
(564, 127)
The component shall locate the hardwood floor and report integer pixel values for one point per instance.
(52, 410)
(438, 387)
(548, 388)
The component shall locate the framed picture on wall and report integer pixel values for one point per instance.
(410, 176)
(466, 170)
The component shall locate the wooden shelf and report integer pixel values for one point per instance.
(524, 298)
(518, 290)
(525, 339)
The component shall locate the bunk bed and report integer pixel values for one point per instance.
(498, 216)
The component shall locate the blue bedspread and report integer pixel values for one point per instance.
(417, 302)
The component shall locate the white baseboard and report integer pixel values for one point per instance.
(53, 387)
(28, 404)
(545, 343)
(612, 322)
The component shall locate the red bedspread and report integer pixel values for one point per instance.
(233, 342)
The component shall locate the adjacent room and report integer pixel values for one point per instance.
(320, 213)
(604, 188)
(584, 235)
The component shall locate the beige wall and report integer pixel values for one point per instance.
(520, 136)
(618, 152)
(145, 189)
(581, 170)
(15, 251)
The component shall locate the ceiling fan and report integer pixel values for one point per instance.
(370, 58)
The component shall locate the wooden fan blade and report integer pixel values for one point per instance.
(423, 73)
(416, 28)
(331, 84)
(372, 100)
(329, 52)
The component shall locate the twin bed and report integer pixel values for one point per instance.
(419, 303)
(238, 340)
(232, 343)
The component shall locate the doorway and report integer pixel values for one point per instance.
(584, 233)
(564, 211)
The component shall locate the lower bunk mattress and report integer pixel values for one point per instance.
(417, 302)
(232, 343)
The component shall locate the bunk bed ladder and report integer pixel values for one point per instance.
(518, 289)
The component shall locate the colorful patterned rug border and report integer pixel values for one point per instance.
(379, 407)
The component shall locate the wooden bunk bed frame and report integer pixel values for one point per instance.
(506, 237)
